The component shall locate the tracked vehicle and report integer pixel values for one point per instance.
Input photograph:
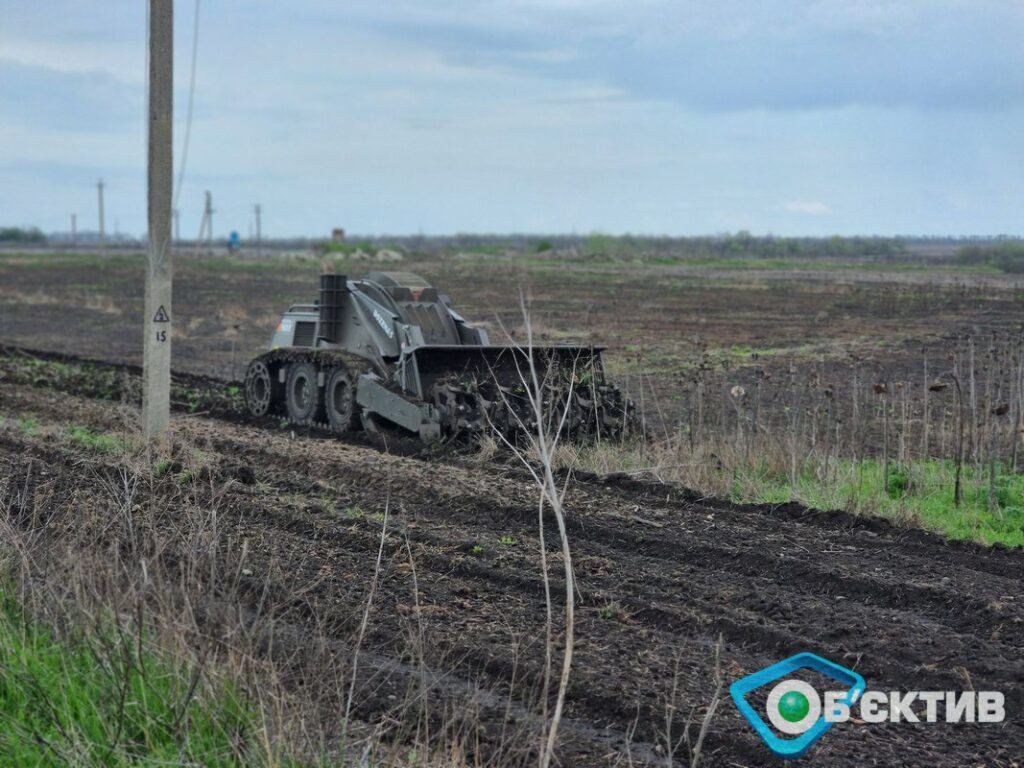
(388, 352)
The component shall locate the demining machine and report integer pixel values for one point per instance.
(388, 352)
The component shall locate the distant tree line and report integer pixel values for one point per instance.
(1007, 256)
(743, 245)
(599, 245)
(21, 235)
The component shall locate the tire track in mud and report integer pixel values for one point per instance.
(872, 533)
(591, 545)
(958, 612)
(755, 576)
(755, 621)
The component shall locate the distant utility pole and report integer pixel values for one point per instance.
(206, 225)
(258, 209)
(156, 395)
(99, 191)
(74, 228)
(209, 222)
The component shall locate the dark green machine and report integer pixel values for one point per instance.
(389, 352)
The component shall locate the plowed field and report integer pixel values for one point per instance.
(662, 576)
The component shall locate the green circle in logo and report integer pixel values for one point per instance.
(794, 706)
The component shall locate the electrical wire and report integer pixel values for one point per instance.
(191, 101)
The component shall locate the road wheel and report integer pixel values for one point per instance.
(340, 400)
(302, 395)
(258, 388)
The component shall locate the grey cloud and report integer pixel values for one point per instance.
(967, 58)
(66, 101)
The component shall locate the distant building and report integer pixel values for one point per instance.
(337, 235)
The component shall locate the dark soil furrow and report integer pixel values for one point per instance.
(820, 577)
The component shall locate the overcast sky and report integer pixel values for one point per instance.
(647, 116)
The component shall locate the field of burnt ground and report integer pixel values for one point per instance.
(405, 589)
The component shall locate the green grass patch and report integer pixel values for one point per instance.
(130, 261)
(110, 700)
(28, 424)
(921, 493)
(611, 612)
(745, 352)
(97, 441)
(820, 264)
(270, 263)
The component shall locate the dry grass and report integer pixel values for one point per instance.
(856, 443)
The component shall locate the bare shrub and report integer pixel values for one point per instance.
(539, 458)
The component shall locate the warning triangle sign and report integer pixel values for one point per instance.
(161, 316)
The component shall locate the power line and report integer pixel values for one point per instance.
(191, 100)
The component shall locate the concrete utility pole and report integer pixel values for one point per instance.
(74, 229)
(258, 209)
(99, 190)
(156, 394)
